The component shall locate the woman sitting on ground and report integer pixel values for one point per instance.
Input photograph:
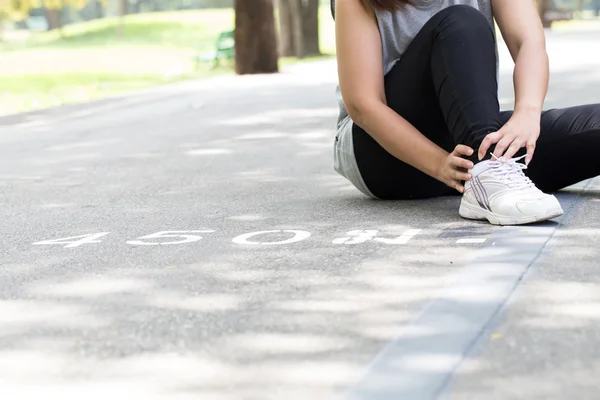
(419, 112)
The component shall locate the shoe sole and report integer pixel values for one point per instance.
(469, 211)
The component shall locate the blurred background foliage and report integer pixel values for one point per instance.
(54, 52)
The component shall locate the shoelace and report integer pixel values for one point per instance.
(510, 172)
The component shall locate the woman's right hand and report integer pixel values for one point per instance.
(454, 169)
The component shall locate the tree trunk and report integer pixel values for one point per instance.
(299, 28)
(296, 27)
(122, 13)
(286, 33)
(99, 10)
(310, 27)
(255, 37)
(543, 8)
(3, 18)
(52, 18)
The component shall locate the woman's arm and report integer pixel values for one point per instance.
(523, 33)
(360, 69)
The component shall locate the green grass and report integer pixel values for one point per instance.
(92, 61)
(170, 29)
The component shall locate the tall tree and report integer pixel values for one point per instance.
(123, 6)
(299, 28)
(286, 30)
(54, 18)
(255, 37)
(310, 27)
(54, 10)
(119, 9)
(3, 19)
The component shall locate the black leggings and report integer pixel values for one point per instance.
(446, 86)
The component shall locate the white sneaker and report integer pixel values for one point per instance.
(501, 193)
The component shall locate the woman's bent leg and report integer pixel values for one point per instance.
(464, 71)
(567, 149)
(446, 86)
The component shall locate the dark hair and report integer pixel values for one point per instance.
(387, 5)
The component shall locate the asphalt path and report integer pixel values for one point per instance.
(194, 242)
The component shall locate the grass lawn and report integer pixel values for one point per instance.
(91, 61)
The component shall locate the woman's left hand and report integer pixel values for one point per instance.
(522, 130)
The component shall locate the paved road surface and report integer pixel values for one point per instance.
(193, 242)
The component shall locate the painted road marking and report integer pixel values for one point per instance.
(169, 234)
(471, 240)
(156, 239)
(298, 237)
(190, 236)
(405, 238)
(358, 236)
(70, 242)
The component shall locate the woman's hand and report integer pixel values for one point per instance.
(522, 130)
(455, 168)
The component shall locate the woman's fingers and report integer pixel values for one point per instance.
(503, 145)
(514, 149)
(458, 186)
(530, 151)
(461, 176)
(462, 150)
(459, 162)
(489, 140)
(458, 166)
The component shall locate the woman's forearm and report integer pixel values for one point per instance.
(531, 77)
(401, 139)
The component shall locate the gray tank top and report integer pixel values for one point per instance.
(399, 28)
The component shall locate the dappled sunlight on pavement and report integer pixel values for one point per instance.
(217, 255)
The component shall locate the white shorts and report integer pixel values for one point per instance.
(344, 161)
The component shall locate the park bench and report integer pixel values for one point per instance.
(224, 49)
